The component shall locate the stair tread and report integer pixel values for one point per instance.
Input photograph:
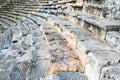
(69, 76)
(82, 37)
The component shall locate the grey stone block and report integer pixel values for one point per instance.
(111, 72)
(69, 76)
(98, 60)
(113, 38)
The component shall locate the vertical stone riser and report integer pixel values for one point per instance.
(62, 16)
(113, 40)
(95, 30)
(67, 35)
(76, 21)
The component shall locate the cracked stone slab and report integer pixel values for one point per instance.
(69, 76)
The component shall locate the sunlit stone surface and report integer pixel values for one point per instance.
(59, 39)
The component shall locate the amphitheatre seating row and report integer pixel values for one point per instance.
(95, 55)
(70, 39)
(98, 26)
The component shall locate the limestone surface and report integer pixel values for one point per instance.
(60, 40)
(69, 76)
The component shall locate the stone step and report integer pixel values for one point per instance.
(40, 57)
(113, 38)
(24, 9)
(21, 16)
(69, 76)
(18, 13)
(73, 32)
(6, 37)
(7, 44)
(42, 15)
(10, 15)
(2, 28)
(53, 7)
(24, 12)
(15, 13)
(7, 64)
(111, 72)
(108, 52)
(27, 6)
(16, 38)
(36, 69)
(66, 1)
(35, 18)
(79, 38)
(26, 43)
(4, 24)
(98, 26)
(100, 34)
(24, 28)
(48, 4)
(49, 7)
(98, 60)
(53, 12)
(12, 19)
(103, 2)
(31, 25)
(30, 21)
(105, 11)
(2, 41)
(63, 58)
(6, 20)
(5, 8)
(108, 9)
(75, 7)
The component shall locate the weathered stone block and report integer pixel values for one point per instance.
(39, 69)
(113, 38)
(111, 72)
(99, 59)
(65, 61)
(99, 26)
(69, 76)
(95, 29)
(19, 71)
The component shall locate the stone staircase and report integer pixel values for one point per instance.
(60, 40)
